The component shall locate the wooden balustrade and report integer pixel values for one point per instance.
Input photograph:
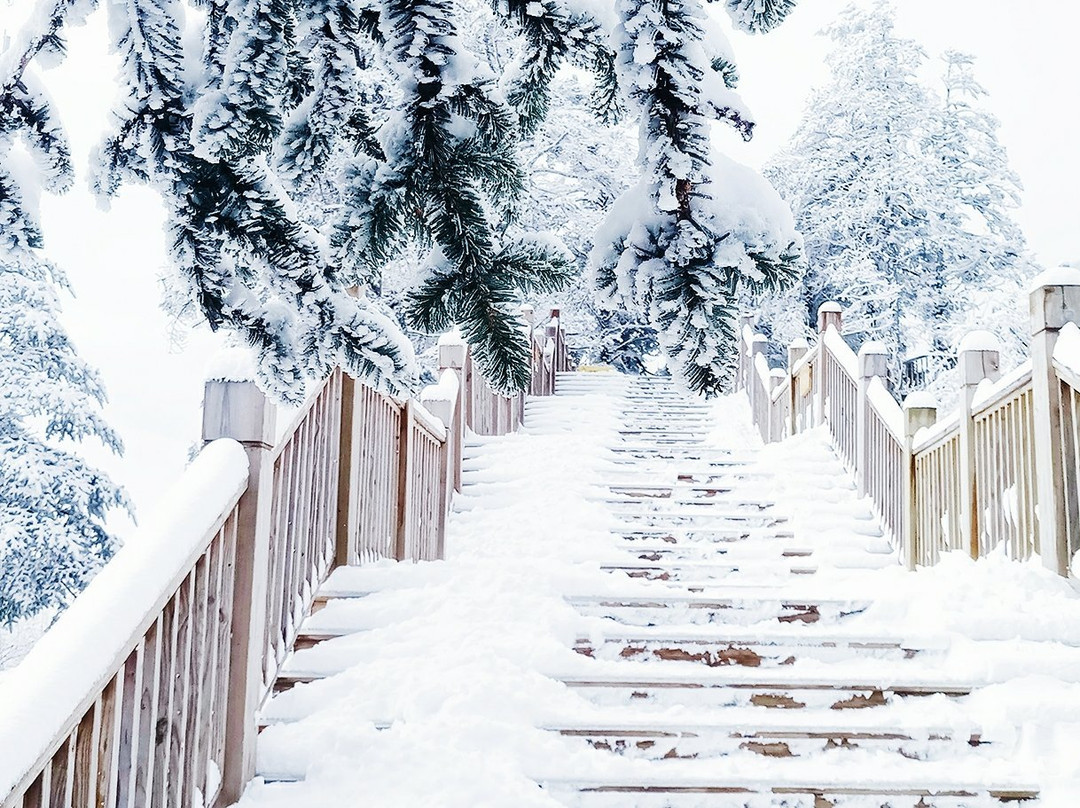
(146, 691)
(1003, 470)
(122, 702)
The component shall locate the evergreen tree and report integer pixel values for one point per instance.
(990, 275)
(53, 504)
(902, 198)
(697, 228)
(871, 202)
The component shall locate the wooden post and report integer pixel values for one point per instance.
(829, 314)
(551, 335)
(795, 352)
(917, 415)
(1055, 301)
(452, 356)
(559, 360)
(348, 468)
(873, 361)
(979, 357)
(776, 422)
(745, 321)
(444, 408)
(757, 346)
(404, 446)
(239, 410)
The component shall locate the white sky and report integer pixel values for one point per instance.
(1026, 59)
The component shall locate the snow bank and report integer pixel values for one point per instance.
(71, 663)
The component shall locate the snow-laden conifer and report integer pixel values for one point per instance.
(903, 200)
(53, 504)
(250, 261)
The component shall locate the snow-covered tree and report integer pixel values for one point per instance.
(991, 271)
(696, 228)
(903, 199)
(53, 504)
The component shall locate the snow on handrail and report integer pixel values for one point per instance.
(930, 437)
(64, 675)
(428, 422)
(882, 402)
(988, 396)
(846, 357)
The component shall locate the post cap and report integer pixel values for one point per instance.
(1055, 299)
(873, 359)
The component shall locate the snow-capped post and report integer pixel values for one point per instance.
(979, 358)
(873, 361)
(453, 353)
(1055, 301)
(795, 352)
(758, 343)
(776, 411)
(233, 407)
(829, 314)
(746, 321)
(349, 450)
(919, 413)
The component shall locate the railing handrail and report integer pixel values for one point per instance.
(66, 671)
(930, 437)
(841, 351)
(1003, 467)
(884, 405)
(991, 395)
(211, 593)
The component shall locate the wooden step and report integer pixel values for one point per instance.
(677, 535)
(716, 688)
(646, 611)
(815, 792)
(667, 740)
(723, 645)
(700, 519)
(694, 575)
(689, 507)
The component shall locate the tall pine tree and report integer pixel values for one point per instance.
(53, 504)
(903, 200)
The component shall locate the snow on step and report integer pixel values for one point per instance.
(463, 682)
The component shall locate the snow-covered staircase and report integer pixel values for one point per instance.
(708, 668)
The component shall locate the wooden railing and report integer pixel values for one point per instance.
(146, 691)
(1001, 471)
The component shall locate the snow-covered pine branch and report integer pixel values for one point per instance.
(696, 228)
(250, 261)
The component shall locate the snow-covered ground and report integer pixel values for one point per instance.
(442, 697)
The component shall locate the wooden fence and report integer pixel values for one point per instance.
(146, 691)
(1002, 470)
